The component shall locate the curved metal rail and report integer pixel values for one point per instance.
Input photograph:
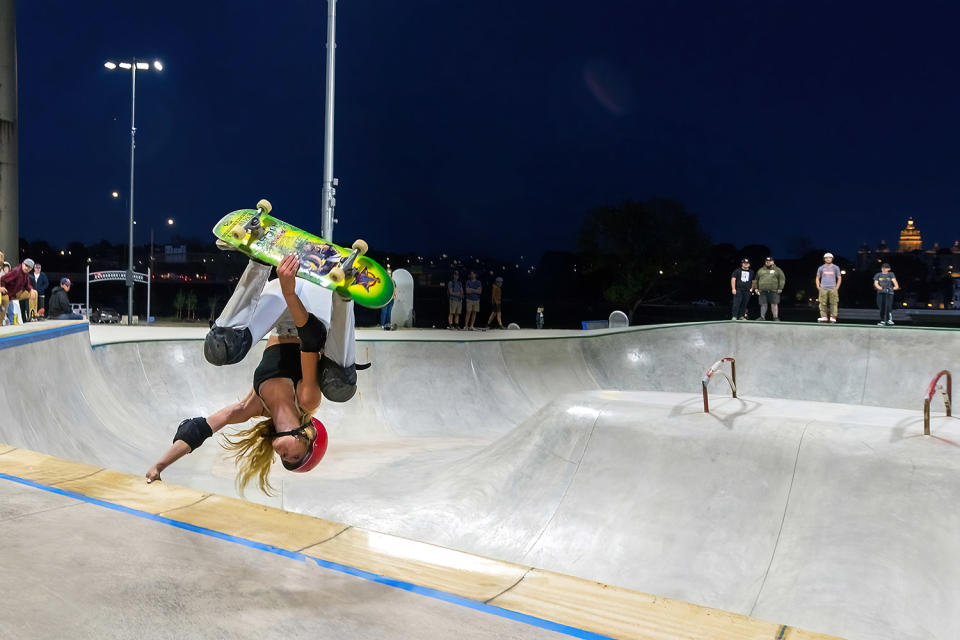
(731, 379)
(931, 390)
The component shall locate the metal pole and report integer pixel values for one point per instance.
(329, 201)
(88, 293)
(133, 144)
(9, 198)
(149, 278)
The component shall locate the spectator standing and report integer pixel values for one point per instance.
(386, 313)
(496, 298)
(15, 285)
(828, 284)
(41, 283)
(885, 283)
(742, 284)
(455, 296)
(770, 282)
(6, 311)
(60, 303)
(539, 317)
(474, 290)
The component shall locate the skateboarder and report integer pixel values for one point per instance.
(257, 306)
(288, 383)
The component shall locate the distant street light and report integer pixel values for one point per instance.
(133, 67)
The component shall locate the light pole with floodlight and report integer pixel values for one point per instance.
(133, 67)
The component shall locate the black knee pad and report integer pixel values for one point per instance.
(193, 431)
(226, 345)
(337, 383)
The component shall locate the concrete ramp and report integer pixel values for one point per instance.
(813, 499)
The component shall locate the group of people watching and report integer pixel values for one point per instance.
(768, 282)
(26, 282)
(470, 292)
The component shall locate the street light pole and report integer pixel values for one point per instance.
(329, 183)
(133, 66)
(133, 144)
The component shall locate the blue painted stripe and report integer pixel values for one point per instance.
(341, 568)
(43, 334)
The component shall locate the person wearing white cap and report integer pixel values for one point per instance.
(828, 284)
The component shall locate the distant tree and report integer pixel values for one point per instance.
(179, 301)
(643, 251)
(191, 306)
(212, 304)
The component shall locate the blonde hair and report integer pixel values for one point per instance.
(253, 453)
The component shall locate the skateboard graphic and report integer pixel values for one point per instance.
(257, 234)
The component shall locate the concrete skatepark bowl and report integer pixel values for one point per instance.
(811, 499)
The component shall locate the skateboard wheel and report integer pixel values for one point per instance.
(361, 246)
(238, 233)
(265, 206)
(336, 275)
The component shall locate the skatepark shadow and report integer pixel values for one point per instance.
(744, 408)
(912, 428)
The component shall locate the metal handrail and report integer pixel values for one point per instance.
(932, 389)
(731, 379)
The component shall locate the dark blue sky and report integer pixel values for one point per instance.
(493, 127)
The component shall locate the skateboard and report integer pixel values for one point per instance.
(259, 235)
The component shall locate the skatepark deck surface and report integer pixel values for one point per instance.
(813, 499)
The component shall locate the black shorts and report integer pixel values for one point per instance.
(278, 361)
(495, 307)
(769, 297)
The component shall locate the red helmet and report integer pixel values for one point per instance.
(315, 450)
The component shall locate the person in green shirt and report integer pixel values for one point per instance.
(770, 281)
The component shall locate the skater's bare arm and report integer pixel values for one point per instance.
(308, 389)
(287, 274)
(236, 413)
(174, 453)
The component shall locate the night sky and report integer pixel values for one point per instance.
(492, 127)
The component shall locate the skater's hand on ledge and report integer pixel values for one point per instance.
(287, 274)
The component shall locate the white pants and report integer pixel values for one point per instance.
(258, 305)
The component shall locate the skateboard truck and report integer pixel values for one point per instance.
(254, 228)
(340, 273)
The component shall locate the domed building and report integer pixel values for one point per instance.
(910, 238)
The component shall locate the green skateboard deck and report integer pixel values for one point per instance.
(256, 233)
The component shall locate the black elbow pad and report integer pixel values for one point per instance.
(193, 431)
(313, 335)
